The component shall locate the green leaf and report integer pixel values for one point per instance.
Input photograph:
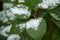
(58, 38)
(56, 22)
(21, 11)
(55, 13)
(32, 3)
(18, 21)
(2, 37)
(26, 36)
(14, 30)
(56, 34)
(8, 0)
(38, 34)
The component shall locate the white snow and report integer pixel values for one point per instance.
(21, 10)
(48, 3)
(7, 5)
(1, 28)
(21, 26)
(5, 30)
(5, 14)
(55, 16)
(14, 37)
(10, 15)
(3, 17)
(33, 23)
(21, 1)
(12, 0)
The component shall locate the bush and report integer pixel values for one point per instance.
(30, 20)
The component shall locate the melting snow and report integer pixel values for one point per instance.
(5, 30)
(14, 37)
(48, 3)
(55, 16)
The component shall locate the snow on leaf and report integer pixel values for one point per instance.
(3, 17)
(33, 23)
(14, 37)
(21, 1)
(7, 5)
(55, 16)
(6, 15)
(21, 26)
(48, 3)
(10, 15)
(38, 29)
(21, 10)
(12, 0)
(5, 30)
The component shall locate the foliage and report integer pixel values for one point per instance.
(30, 19)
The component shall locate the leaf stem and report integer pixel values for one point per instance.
(22, 36)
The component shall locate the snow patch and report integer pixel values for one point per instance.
(10, 15)
(3, 16)
(5, 30)
(33, 23)
(12, 0)
(14, 37)
(21, 10)
(48, 3)
(21, 26)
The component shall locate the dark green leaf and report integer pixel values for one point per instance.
(14, 30)
(56, 34)
(32, 3)
(55, 13)
(56, 22)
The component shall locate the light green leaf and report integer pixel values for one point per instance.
(39, 33)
